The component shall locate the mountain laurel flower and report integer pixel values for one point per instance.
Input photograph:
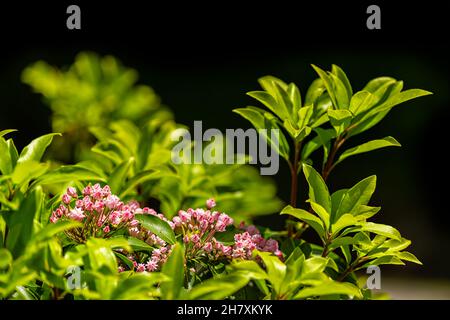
(76, 214)
(101, 213)
(210, 203)
(66, 198)
(140, 267)
(71, 191)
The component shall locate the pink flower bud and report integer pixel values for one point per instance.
(66, 198)
(87, 191)
(210, 203)
(195, 238)
(71, 191)
(106, 229)
(208, 247)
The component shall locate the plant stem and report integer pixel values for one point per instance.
(294, 174)
(293, 166)
(329, 165)
(327, 242)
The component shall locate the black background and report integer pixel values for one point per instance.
(201, 58)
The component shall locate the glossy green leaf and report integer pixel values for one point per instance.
(276, 269)
(35, 150)
(6, 166)
(307, 217)
(339, 119)
(338, 72)
(396, 100)
(158, 226)
(218, 288)
(369, 146)
(381, 229)
(174, 270)
(329, 288)
(318, 190)
(356, 196)
(118, 176)
(322, 213)
(344, 221)
(361, 102)
(5, 132)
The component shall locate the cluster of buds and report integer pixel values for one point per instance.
(100, 212)
(252, 239)
(198, 227)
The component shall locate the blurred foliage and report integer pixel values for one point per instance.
(93, 91)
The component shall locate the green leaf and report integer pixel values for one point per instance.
(139, 245)
(268, 84)
(340, 91)
(276, 269)
(382, 260)
(5, 258)
(138, 286)
(119, 175)
(396, 100)
(174, 270)
(269, 101)
(338, 72)
(322, 213)
(218, 288)
(343, 222)
(257, 118)
(303, 215)
(6, 166)
(336, 199)
(407, 256)
(315, 90)
(304, 116)
(20, 224)
(339, 119)
(381, 229)
(369, 146)
(365, 212)
(361, 102)
(158, 226)
(323, 138)
(318, 190)
(26, 171)
(140, 178)
(248, 268)
(65, 174)
(327, 82)
(52, 229)
(374, 84)
(329, 288)
(5, 132)
(341, 241)
(35, 150)
(358, 195)
(294, 96)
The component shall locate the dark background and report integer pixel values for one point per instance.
(202, 58)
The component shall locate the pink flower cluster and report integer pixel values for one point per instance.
(198, 227)
(252, 239)
(101, 212)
